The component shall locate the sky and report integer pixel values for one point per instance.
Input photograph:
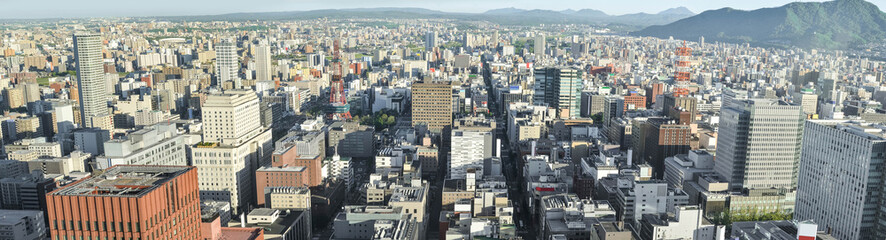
(118, 8)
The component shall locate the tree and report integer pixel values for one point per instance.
(598, 118)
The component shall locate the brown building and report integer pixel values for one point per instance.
(15, 97)
(664, 138)
(673, 106)
(635, 101)
(453, 191)
(432, 105)
(652, 92)
(279, 177)
(288, 157)
(128, 202)
(211, 229)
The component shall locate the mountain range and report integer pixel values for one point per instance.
(838, 24)
(507, 16)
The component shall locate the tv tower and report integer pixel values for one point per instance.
(338, 104)
(681, 76)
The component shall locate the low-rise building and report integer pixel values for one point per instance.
(159, 144)
(22, 225)
(281, 224)
(686, 222)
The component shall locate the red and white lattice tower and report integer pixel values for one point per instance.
(682, 67)
(339, 107)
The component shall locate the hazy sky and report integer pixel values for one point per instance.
(105, 8)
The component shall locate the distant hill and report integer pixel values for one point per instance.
(502, 11)
(677, 11)
(836, 24)
(590, 16)
(508, 16)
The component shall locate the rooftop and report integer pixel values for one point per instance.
(281, 224)
(12, 217)
(236, 233)
(281, 169)
(123, 181)
(408, 194)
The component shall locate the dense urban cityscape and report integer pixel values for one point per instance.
(377, 127)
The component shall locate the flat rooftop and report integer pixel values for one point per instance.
(283, 223)
(123, 181)
(281, 169)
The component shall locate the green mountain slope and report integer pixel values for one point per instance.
(836, 24)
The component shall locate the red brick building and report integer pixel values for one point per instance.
(635, 101)
(128, 202)
(279, 177)
(289, 157)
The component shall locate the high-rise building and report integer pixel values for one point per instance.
(613, 108)
(759, 144)
(807, 98)
(432, 105)
(430, 40)
(653, 90)
(90, 79)
(674, 106)
(663, 138)
(840, 182)
(469, 150)
(227, 63)
(591, 104)
(234, 146)
(128, 201)
(560, 88)
(263, 68)
(231, 117)
(350, 139)
(539, 45)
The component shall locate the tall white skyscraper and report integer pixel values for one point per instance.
(840, 182)
(227, 62)
(234, 146)
(469, 150)
(231, 117)
(759, 144)
(539, 45)
(90, 79)
(430, 40)
(263, 68)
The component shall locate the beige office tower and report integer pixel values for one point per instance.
(234, 146)
(263, 68)
(227, 63)
(432, 105)
(231, 117)
(90, 79)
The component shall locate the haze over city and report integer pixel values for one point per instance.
(442, 120)
(107, 8)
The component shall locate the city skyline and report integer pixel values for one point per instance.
(106, 8)
(421, 120)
